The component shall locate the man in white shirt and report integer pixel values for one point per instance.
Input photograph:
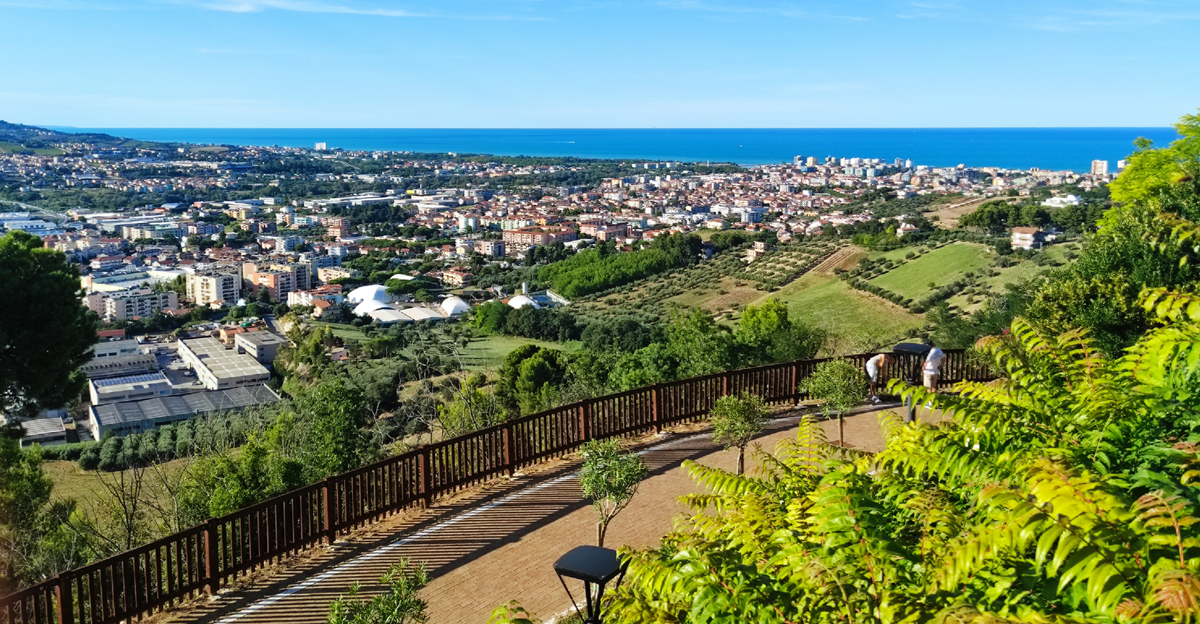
(933, 364)
(875, 368)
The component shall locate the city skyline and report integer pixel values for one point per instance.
(524, 64)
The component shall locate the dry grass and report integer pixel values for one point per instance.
(948, 216)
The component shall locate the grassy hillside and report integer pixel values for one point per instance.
(859, 319)
(939, 267)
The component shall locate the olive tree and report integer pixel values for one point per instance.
(839, 385)
(735, 422)
(610, 478)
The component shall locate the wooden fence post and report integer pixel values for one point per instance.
(210, 557)
(328, 497)
(656, 408)
(583, 422)
(795, 383)
(426, 477)
(508, 449)
(62, 598)
(725, 383)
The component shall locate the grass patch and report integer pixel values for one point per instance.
(87, 486)
(939, 267)
(830, 303)
(488, 353)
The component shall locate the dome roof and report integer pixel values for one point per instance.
(368, 306)
(455, 305)
(521, 301)
(402, 277)
(375, 292)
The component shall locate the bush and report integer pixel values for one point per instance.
(67, 452)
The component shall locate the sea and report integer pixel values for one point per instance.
(1010, 148)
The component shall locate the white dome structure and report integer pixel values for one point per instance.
(402, 277)
(453, 306)
(373, 292)
(521, 301)
(368, 306)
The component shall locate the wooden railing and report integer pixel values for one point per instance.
(207, 556)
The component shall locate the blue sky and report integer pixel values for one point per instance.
(568, 63)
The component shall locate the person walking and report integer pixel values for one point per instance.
(933, 366)
(875, 368)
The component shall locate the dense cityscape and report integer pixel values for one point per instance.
(364, 312)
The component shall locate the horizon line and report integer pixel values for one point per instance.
(55, 126)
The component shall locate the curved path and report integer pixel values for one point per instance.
(497, 546)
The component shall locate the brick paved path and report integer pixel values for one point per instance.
(498, 546)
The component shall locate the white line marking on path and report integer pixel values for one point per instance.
(266, 602)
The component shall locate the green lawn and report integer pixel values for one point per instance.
(489, 352)
(854, 316)
(940, 267)
(344, 331)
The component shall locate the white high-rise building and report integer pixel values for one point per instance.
(1099, 167)
(322, 146)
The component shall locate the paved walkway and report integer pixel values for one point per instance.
(497, 546)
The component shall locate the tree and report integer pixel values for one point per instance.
(400, 604)
(47, 334)
(24, 492)
(490, 317)
(839, 385)
(610, 479)
(736, 421)
(766, 334)
(1150, 170)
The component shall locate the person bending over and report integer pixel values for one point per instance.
(875, 368)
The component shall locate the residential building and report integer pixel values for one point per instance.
(131, 303)
(456, 277)
(331, 293)
(1099, 167)
(217, 286)
(278, 278)
(328, 274)
(490, 248)
(533, 235)
(1026, 238)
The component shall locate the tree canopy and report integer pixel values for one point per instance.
(45, 332)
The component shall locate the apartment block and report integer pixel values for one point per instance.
(213, 286)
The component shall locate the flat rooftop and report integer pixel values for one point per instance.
(224, 363)
(43, 428)
(261, 338)
(136, 414)
(130, 382)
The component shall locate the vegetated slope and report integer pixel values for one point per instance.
(35, 138)
(858, 319)
(598, 269)
(939, 267)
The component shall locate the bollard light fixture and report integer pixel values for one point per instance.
(594, 566)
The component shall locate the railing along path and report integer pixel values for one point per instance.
(205, 557)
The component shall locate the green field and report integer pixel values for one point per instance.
(489, 352)
(860, 320)
(344, 331)
(939, 267)
(8, 148)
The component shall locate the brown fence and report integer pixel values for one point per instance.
(205, 557)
